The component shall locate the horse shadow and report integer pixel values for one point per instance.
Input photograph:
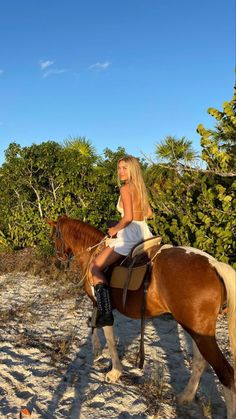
(168, 347)
(176, 345)
(83, 374)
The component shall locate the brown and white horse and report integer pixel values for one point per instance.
(186, 282)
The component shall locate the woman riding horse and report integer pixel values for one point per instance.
(184, 281)
(132, 228)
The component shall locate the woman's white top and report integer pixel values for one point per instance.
(134, 233)
(119, 208)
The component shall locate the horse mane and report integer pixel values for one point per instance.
(85, 233)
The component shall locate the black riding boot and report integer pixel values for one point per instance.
(105, 316)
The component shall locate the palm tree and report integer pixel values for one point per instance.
(176, 151)
(80, 145)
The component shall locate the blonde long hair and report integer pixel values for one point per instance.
(136, 177)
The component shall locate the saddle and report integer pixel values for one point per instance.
(130, 274)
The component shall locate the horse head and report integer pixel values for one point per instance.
(62, 250)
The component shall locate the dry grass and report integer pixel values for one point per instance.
(66, 279)
(57, 349)
(155, 390)
(207, 408)
(29, 261)
(15, 313)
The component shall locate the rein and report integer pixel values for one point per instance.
(96, 245)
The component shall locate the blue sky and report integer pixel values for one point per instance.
(121, 73)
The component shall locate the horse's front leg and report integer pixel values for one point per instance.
(96, 345)
(116, 371)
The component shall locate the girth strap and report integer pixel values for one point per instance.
(127, 281)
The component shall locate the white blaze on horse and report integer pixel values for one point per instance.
(186, 282)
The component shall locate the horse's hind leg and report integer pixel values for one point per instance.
(208, 347)
(116, 371)
(198, 366)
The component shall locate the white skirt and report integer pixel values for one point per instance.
(128, 237)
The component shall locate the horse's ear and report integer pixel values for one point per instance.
(51, 223)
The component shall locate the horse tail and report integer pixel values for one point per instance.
(228, 274)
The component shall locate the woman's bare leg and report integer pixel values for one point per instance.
(106, 258)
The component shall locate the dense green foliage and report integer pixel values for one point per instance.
(193, 205)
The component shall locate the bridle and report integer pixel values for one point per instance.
(60, 250)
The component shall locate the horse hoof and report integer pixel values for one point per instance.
(97, 356)
(113, 376)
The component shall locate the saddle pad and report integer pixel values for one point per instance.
(120, 275)
(145, 246)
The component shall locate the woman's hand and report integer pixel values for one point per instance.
(112, 232)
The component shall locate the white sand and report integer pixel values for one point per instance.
(47, 364)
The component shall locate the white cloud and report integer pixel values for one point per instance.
(1, 71)
(45, 64)
(46, 71)
(100, 66)
(54, 71)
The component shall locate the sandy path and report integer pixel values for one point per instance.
(47, 364)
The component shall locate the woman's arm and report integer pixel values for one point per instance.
(126, 199)
(149, 212)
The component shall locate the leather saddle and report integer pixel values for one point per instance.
(129, 275)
